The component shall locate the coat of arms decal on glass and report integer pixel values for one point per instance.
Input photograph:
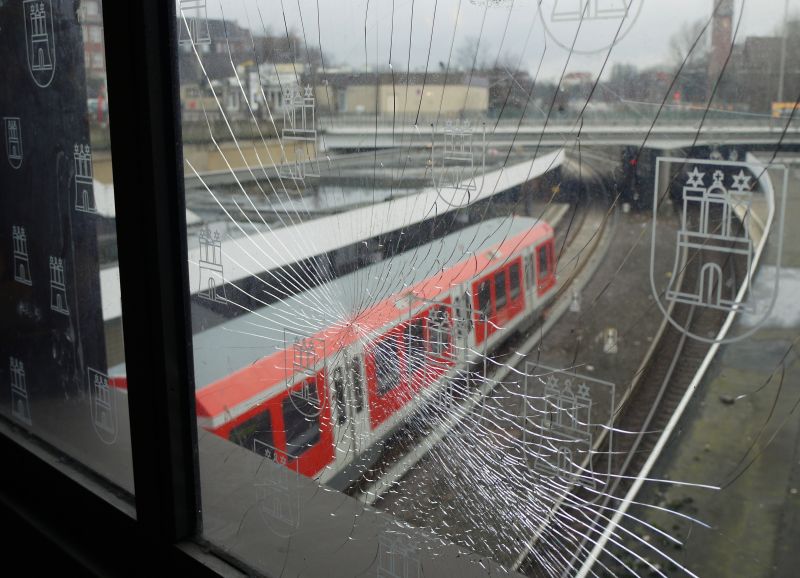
(458, 162)
(588, 26)
(712, 220)
(40, 40)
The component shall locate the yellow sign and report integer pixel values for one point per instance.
(783, 109)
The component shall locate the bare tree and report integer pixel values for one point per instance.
(472, 52)
(690, 43)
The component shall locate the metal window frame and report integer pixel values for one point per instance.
(147, 161)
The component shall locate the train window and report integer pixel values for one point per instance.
(439, 330)
(358, 388)
(484, 299)
(338, 392)
(255, 433)
(415, 345)
(387, 365)
(462, 321)
(515, 280)
(543, 261)
(301, 411)
(500, 289)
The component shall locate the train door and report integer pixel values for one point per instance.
(462, 329)
(530, 277)
(357, 390)
(348, 415)
(545, 269)
(463, 323)
(482, 291)
(343, 434)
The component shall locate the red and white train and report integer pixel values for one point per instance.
(322, 405)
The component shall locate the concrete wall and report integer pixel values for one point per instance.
(452, 99)
(360, 99)
(255, 153)
(208, 158)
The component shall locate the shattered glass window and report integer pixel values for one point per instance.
(535, 258)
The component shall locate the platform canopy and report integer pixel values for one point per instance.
(253, 253)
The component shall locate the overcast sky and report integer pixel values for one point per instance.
(528, 31)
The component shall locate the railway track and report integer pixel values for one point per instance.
(643, 414)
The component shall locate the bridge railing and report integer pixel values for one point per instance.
(638, 114)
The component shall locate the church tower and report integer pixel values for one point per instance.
(721, 38)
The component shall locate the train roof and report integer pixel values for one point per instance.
(354, 307)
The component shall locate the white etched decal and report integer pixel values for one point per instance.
(725, 223)
(397, 557)
(458, 162)
(22, 267)
(13, 130)
(193, 23)
(58, 290)
(571, 10)
(84, 187)
(20, 405)
(40, 40)
(278, 494)
(103, 406)
(300, 134)
(569, 411)
(212, 281)
(588, 26)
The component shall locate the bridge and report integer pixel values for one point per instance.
(359, 133)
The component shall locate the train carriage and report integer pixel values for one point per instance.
(322, 405)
